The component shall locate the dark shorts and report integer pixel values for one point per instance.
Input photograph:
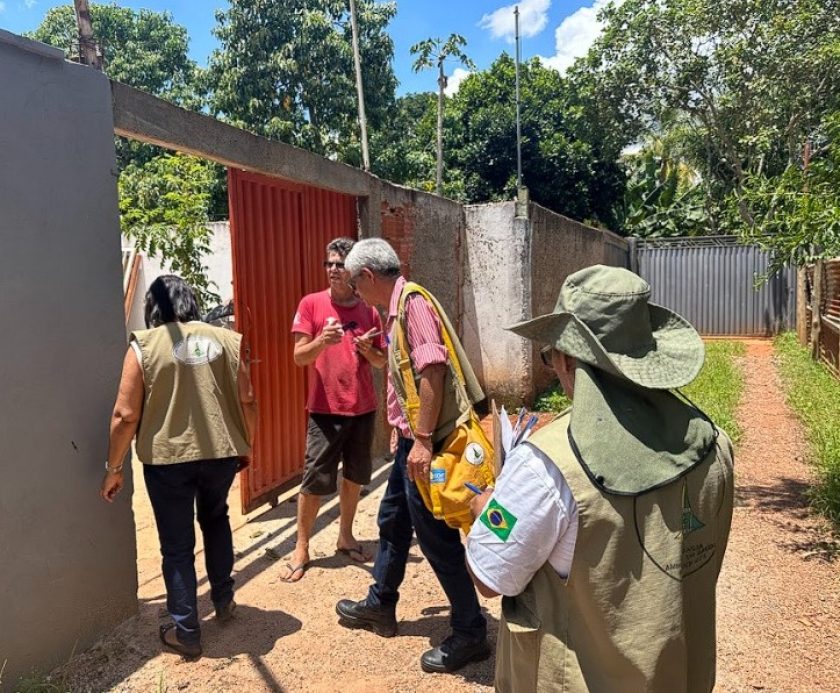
(330, 438)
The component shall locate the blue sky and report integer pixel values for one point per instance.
(557, 30)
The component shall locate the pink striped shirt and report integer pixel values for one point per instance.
(425, 346)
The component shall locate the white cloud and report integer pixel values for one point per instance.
(30, 3)
(533, 17)
(575, 35)
(2, 7)
(455, 79)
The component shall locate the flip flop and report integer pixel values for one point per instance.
(188, 652)
(349, 552)
(295, 569)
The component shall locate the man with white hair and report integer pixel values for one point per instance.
(606, 530)
(375, 275)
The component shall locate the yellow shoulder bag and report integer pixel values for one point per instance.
(466, 454)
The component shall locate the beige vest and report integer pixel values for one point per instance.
(191, 409)
(637, 613)
(457, 400)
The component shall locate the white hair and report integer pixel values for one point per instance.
(375, 254)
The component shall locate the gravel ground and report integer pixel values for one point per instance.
(777, 610)
(779, 593)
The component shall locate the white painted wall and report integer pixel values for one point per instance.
(219, 263)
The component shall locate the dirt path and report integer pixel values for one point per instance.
(779, 596)
(778, 628)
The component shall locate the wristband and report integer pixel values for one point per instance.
(113, 470)
(423, 436)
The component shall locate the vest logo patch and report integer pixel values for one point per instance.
(196, 350)
(498, 519)
(437, 476)
(474, 454)
(672, 533)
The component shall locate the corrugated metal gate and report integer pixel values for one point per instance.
(279, 231)
(710, 281)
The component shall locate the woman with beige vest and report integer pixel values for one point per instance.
(186, 395)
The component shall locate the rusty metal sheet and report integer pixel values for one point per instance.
(279, 231)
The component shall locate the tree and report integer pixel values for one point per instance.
(285, 70)
(564, 164)
(745, 81)
(164, 207)
(434, 53)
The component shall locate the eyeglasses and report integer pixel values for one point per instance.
(330, 265)
(545, 355)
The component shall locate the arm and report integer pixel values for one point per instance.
(308, 348)
(124, 422)
(364, 345)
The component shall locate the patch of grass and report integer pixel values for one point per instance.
(814, 394)
(552, 400)
(717, 390)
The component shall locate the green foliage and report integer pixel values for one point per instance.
(285, 70)
(744, 82)
(814, 394)
(717, 389)
(552, 400)
(164, 208)
(797, 213)
(434, 52)
(661, 198)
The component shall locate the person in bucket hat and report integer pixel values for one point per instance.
(606, 531)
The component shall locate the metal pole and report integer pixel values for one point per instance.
(441, 88)
(359, 88)
(87, 44)
(518, 123)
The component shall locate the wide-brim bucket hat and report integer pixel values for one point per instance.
(604, 317)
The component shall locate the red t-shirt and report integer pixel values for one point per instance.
(340, 379)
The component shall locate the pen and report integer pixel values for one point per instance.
(473, 488)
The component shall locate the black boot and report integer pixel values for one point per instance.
(380, 619)
(453, 653)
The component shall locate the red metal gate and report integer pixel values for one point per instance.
(279, 231)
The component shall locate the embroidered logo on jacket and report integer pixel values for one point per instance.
(195, 350)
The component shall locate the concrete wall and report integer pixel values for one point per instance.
(68, 559)
(514, 270)
(496, 294)
(559, 247)
(219, 263)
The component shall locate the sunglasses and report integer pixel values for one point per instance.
(330, 265)
(545, 356)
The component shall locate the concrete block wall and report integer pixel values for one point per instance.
(68, 559)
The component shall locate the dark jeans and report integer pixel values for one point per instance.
(403, 512)
(175, 490)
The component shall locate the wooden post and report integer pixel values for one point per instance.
(816, 316)
(87, 44)
(801, 307)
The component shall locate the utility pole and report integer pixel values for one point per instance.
(87, 44)
(359, 87)
(522, 199)
(441, 88)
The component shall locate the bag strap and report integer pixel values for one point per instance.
(412, 403)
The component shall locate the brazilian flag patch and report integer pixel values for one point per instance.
(498, 519)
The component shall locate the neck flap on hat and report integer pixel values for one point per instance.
(630, 439)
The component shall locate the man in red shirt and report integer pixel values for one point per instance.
(339, 338)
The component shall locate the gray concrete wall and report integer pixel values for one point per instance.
(68, 559)
(495, 295)
(559, 247)
(513, 271)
